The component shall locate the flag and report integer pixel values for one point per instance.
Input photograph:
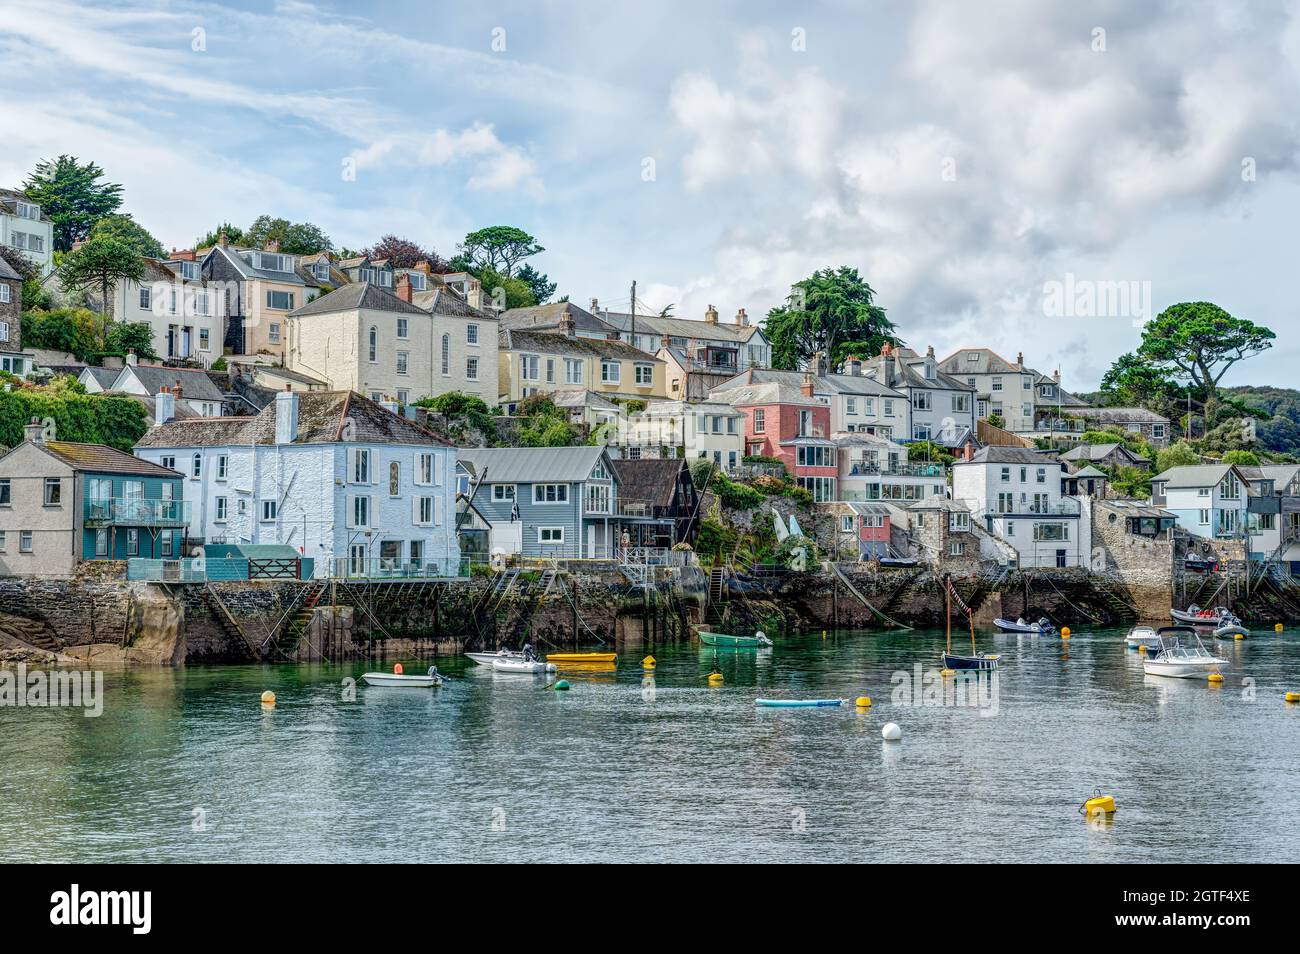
(514, 511)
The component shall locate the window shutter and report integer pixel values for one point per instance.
(415, 511)
(351, 465)
(437, 511)
(349, 518)
(437, 469)
(370, 513)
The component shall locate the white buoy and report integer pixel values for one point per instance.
(890, 732)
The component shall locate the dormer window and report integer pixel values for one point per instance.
(417, 280)
(28, 210)
(321, 270)
(272, 262)
(190, 271)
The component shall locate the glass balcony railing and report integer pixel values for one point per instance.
(868, 469)
(137, 512)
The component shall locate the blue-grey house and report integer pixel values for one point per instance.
(63, 502)
(547, 501)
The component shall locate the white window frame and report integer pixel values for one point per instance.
(561, 491)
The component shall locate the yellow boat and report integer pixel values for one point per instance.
(581, 657)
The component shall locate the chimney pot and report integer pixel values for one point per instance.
(711, 315)
(741, 318)
(404, 287)
(595, 305)
(567, 327)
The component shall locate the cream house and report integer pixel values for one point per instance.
(535, 362)
(258, 288)
(382, 344)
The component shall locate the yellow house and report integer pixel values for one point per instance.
(535, 362)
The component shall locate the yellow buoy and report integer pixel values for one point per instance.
(1065, 632)
(715, 679)
(268, 698)
(947, 672)
(863, 702)
(1239, 636)
(823, 634)
(1098, 805)
(1277, 627)
(1293, 697)
(648, 662)
(1215, 677)
(1142, 649)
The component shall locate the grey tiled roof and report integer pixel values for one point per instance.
(550, 315)
(357, 295)
(525, 465)
(195, 385)
(546, 342)
(998, 454)
(97, 458)
(324, 417)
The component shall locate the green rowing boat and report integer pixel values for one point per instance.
(757, 641)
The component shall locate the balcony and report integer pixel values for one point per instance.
(644, 510)
(1041, 510)
(137, 512)
(867, 469)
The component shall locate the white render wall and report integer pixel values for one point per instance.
(977, 486)
(308, 481)
(175, 304)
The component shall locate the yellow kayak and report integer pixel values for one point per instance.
(581, 657)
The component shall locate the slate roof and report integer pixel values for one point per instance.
(100, 459)
(822, 383)
(7, 273)
(1196, 475)
(1121, 415)
(1098, 452)
(179, 412)
(354, 296)
(546, 342)
(8, 198)
(324, 417)
(987, 361)
(249, 270)
(997, 454)
(773, 392)
(104, 377)
(1090, 472)
(580, 397)
(681, 327)
(195, 384)
(651, 480)
(905, 375)
(526, 465)
(442, 300)
(550, 315)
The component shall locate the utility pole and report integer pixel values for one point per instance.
(634, 313)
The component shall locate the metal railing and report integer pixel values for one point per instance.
(347, 568)
(645, 509)
(137, 511)
(866, 468)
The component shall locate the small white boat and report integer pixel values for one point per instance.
(1179, 653)
(1142, 636)
(1231, 629)
(1041, 628)
(428, 681)
(487, 659)
(533, 666)
(1195, 616)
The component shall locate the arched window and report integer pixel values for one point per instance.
(446, 354)
(374, 343)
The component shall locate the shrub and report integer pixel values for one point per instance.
(736, 496)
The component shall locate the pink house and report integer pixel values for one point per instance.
(789, 424)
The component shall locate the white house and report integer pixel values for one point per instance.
(357, 488)
(940, 407)
(712, 429)
(24, 226)
(857, 402)
(191, 386)
(1209, 500)
(1016, 493)
(873, 468)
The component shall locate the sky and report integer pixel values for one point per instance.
(983, 166)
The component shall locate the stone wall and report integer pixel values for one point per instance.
(1144, 569)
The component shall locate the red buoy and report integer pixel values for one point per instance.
(397, 669)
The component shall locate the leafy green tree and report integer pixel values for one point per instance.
(926, 452)
(127, 230)
(34, 294)
(70, 193)
(404, 253)
(832, 312)
(87, 418)
(541, 287)
(234, 236)
(126, 336)
(1177, 454)
(1242, 458)
(463, 411)
(1130, 482)
(497, 247)
(996, 419)
(100, 264)
(295, 238)
(544, 425)
(508, 292)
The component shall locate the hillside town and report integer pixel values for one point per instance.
(328, 416)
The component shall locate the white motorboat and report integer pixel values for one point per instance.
(1041, 628)
(1179, 653)
(1231, 629)
(429, 680)
(1142, 636)
(487, 659)
(532, 666)
(1195, 616)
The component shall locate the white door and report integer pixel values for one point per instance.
(591, 541)
(508, 538)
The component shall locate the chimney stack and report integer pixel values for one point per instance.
(595, 306)
(286, 416)
(272, 245)
(567, 327)
(855, 365)
(403, 289)
(741, 318)
(164, 408)
(807, 387)
(423, 266)
(665, 341)
(711, 315)
(1020, 360)
(130, 357)
(34, 433)
(887, 356)
(222, 238)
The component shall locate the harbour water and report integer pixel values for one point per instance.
(186, 765)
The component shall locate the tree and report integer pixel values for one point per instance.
(1177, 454)
(1198, 342)
(463, 412)
(930, 452)
(295, 238)
(71, 195)
(403, 253)
(1131, 482)
(540, 285)
(833, 312)
(127, 336)
(1132, 381)
(100, 264)
(508, 292)
(74, 330)
(543, 424)
(124, 228)
(234, 236)
(498, 247)
(1242, 458)
(995, 419)
(34, 294)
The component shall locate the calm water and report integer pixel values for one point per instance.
(496, 768)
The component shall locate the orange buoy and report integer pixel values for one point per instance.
(397, 669)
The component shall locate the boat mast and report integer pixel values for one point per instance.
(947, 609)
